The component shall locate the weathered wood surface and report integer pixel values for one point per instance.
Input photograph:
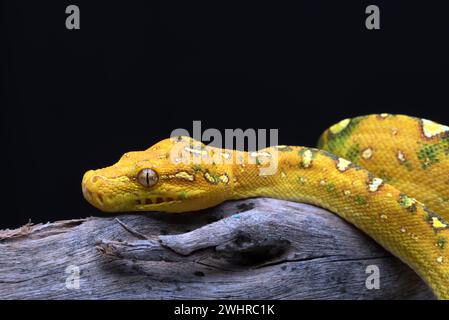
(252, 249)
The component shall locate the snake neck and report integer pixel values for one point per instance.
(283, 172)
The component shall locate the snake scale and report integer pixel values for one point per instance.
(386, 174)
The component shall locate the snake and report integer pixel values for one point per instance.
(386, 174)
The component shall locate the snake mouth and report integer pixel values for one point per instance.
(155, 203)
(156, 200)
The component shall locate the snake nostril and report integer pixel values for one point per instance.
(94, 179)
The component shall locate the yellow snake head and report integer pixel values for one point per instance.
(169, 176)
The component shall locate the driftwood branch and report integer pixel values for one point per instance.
(251, 249)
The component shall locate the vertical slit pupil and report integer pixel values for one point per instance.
(148, 178)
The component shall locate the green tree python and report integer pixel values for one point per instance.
(386, 174)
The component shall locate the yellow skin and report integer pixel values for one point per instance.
(405, 164)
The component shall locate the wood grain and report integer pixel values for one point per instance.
(250, 249)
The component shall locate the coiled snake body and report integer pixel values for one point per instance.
(386, 174)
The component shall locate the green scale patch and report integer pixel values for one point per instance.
(338, 143)
(429, 154)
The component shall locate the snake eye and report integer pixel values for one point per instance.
(147, 177)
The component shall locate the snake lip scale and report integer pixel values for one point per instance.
(386, 174)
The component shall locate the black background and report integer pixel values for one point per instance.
(78, 99)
